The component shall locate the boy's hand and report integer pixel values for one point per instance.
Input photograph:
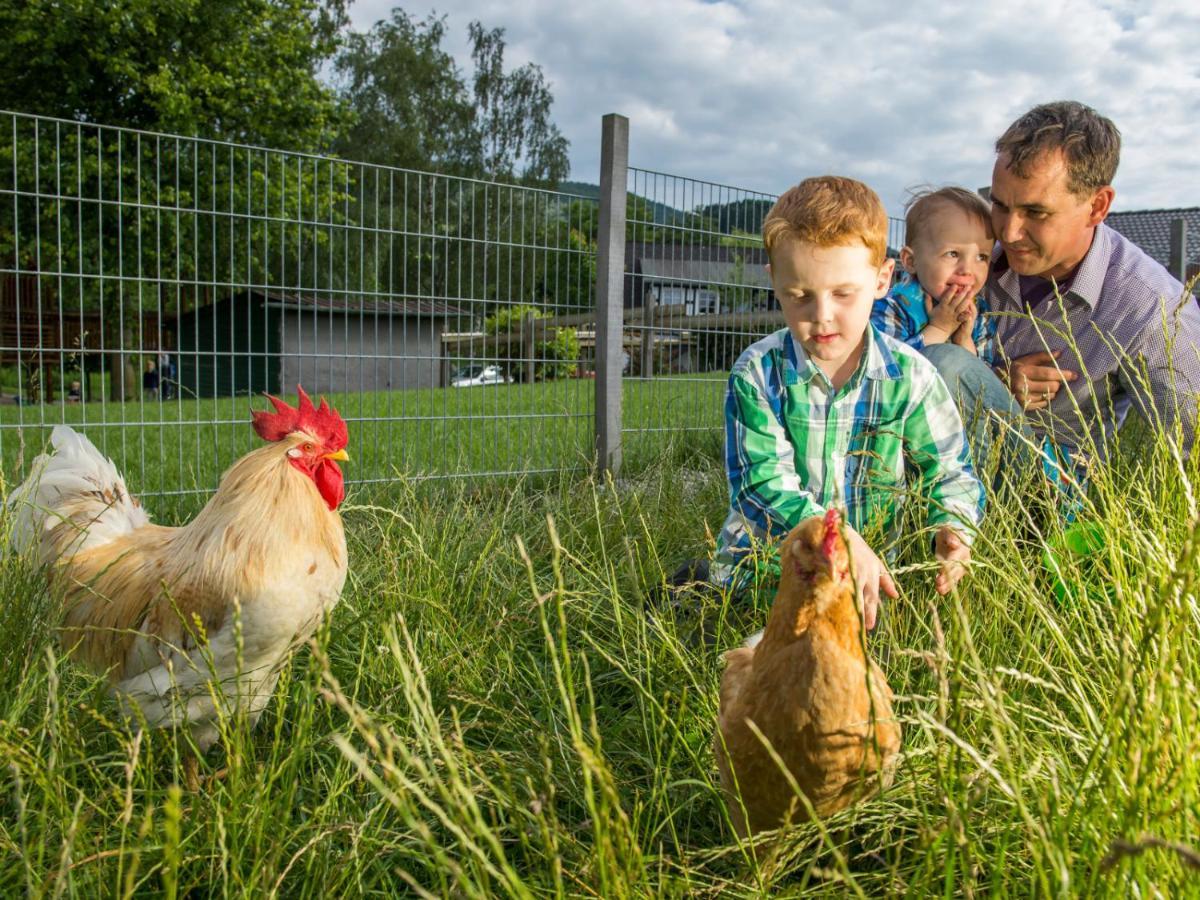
(962, 337)
(953, 556)
(871, 576)
(945, 315)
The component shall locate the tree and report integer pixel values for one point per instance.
(174, 218)
(241, 70)
(517, 138)
(409, 105)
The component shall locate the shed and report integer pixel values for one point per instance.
(259, 340)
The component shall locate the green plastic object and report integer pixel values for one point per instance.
(1076, 550)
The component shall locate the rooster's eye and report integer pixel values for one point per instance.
(308, 448)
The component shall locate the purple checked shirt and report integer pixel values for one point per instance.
(1138, 338)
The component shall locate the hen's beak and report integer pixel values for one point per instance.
(340, 456)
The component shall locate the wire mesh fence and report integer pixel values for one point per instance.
(697, 294)
(151, 284)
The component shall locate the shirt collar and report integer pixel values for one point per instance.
(908, 286)
(878, 361)
(1089, 276)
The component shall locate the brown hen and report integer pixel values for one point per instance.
(810, 689)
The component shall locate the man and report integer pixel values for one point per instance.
(1123, 333)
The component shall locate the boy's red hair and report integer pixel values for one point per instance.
(829, 211)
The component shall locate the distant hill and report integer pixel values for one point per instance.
(661, 214)
(745, 216)
(582, 188)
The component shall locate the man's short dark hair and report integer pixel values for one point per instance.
(1090, 142)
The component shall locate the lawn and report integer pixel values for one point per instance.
(185, 445)
(496, 708)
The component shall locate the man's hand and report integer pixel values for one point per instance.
(871, 576)
(1034, 379)
(953, 556)
(946, 315)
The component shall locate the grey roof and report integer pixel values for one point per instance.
(704, 271)
(358, 304)
(686, 263)
(1150, 229)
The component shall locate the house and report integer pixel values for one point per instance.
(707, 280)
(56, 338)
(265, 340)
(703, 280)
(1150, 229)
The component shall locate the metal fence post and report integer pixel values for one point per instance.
(610, 283)
(1178, 258)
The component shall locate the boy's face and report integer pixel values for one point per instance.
(952, 248)
(826, 294)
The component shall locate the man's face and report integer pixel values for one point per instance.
(1045, 229)
(826, 294)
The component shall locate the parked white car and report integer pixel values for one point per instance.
(471, 376)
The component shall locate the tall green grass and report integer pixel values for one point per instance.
(496, 708)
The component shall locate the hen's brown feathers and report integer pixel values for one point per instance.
(810, 690)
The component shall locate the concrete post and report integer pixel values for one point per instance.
(610, 283)
(1178, 258)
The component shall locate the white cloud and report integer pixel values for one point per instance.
(761, 93)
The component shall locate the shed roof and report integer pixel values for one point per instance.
(698, 264)
(361, 304)
(1150, 229)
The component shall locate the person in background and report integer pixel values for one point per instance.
(150, 381)
(166, 375)
(937, 307)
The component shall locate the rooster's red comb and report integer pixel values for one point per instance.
(321, 422)
(830, 538)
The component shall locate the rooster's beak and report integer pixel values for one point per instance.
(340, 456)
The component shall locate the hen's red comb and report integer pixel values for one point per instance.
(830, 538)
(321, 422)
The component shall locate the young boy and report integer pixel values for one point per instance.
(938, 299)
(829, 411)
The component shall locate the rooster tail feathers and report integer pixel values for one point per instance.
(76, 486)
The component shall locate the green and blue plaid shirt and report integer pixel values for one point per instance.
(794, 446)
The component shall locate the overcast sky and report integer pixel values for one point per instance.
(760, 94)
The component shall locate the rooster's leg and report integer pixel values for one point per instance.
(191, 771)
(192, 778)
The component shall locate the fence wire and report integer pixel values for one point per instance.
(151, 284)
